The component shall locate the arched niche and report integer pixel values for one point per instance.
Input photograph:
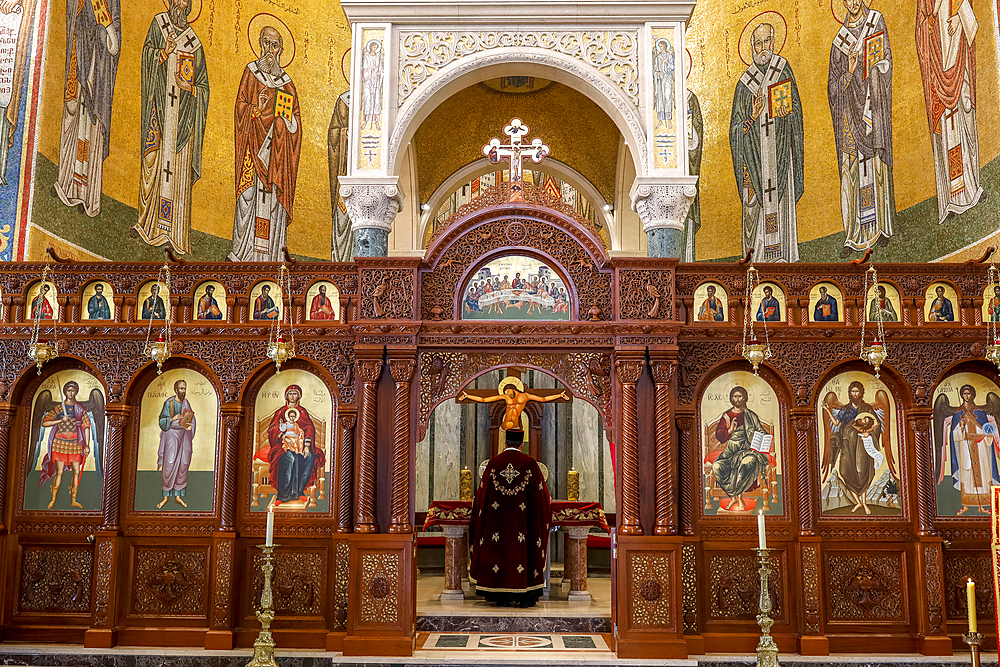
(173, 465)
(44, 447)
(741, 475)
(883, 470)
(311, 435)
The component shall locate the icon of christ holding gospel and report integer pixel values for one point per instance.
(268, 142)
(738, 468)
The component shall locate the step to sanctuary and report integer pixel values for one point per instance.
(536, 650)
(593, 624)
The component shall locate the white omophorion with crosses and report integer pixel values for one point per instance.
(515, 152)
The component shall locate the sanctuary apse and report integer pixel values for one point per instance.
(135, 494)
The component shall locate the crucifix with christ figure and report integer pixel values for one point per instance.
(511, 390)
(514, 153)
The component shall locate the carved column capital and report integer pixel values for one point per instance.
(663, 203)
(402, 369)
(369, 369)
(921, 424)
(803, 423)
(232, 419)
(371, 204)
(662, 370)
(348, 419)
(629, 370)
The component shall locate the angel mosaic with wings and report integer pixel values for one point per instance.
(855, 448)
(72, 429)
(967, 446)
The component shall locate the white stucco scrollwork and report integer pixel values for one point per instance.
(372, 205)
(663, 205)
(549, 64)
(612, 53)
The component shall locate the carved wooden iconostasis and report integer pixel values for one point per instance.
(647, 343)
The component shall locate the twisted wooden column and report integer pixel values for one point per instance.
(807, 513)
(345, 493)
(369, 369)
(666, 519)
(629, 371)
(111, 502)
(227, 514)
(688, 475)
(925, 470)
(399, 513)
(6, 418)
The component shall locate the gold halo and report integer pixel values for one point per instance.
(263, 20)
(510, 381)
(192, 15)
(746, 37)
(838, 6)
(346, 73)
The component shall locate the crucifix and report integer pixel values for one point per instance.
(514, 153)
(511, 391)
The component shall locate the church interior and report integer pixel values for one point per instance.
(436, 332)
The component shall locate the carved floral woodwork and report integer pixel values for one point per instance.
(379, 587)
(646, 294)
(169, 581)
(734, 587)
(55, 579)
(222, 591)
(386, 293)
(341, 585)
(865, 587)
(298, 583)
(651, 582)
(689, 588)
(959, 567)
(810, 587)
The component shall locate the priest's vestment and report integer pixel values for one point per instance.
(509, 529)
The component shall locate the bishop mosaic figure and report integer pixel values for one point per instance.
(766, 140)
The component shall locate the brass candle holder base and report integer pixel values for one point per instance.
(263, 647)
(767, 650)
(974, 640)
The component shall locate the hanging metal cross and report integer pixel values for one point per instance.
(515, 153)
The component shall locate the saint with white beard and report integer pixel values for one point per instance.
(268, 142)
(766, 140)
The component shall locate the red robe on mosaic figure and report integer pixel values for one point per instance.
(509, 529)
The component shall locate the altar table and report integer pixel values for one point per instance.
(576, 517)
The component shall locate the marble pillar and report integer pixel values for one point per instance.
(576, 563)
(453, 557)
(422, 463)
(665, 242)
(371, 242)
(587, 449)
(447, 456)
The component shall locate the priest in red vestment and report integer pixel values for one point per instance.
(509, 529)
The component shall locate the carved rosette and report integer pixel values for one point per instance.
(379, 588)
(663, 205)
(372, 206)
(650, 583)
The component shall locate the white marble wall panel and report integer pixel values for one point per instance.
(587, 449)
(447, 457)
(423, 477)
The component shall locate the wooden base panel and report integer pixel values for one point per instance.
(937, 645)
(885, 643)
(386, 646)
(745, 642)
(161, 637)
(696, 644)
(99, 638)
(814, 645)
(219, 640)
(40, 634)
(662, 649)
(335, 641)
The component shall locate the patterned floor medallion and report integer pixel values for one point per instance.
(513, 642)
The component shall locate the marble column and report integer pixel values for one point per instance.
(453, 560)
(372, 205)
(576, 563)
(662, 205)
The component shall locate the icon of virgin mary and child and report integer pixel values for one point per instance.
(295, 456)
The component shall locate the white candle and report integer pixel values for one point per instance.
(269, 537)
(761, 532)
(970, 591)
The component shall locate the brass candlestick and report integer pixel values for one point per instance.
(973, 639)
(263, 647)
(767, 650)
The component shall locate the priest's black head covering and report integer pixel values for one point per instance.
(515, 437)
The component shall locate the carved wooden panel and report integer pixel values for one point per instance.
(734, 586)
(55, 579)
(386, 294)
(959, 567)
(689, 588)
(864, 587)
(223, 583)
(651, 579)
(810, 586)
(645, 294)
(298, 584)
(341, 585)
(170, 580)
(379, 587)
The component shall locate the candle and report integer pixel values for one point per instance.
(761, 532)
(465, 484)
(269, 536)
(573, 485)
(970, 591)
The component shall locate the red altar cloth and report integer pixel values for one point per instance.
(564, 513)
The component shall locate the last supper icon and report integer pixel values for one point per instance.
(516, 288)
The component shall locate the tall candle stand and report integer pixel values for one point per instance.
(263, 647)
(767, 650)
(973, 639)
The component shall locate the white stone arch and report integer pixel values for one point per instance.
(484, 166)
(529, 61)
